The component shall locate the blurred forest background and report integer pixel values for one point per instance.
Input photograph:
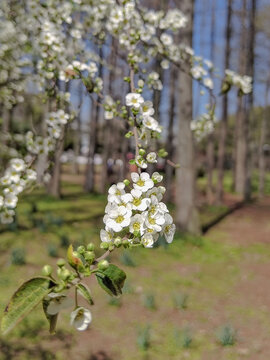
(205, 297)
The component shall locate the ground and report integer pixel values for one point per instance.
(186, 293)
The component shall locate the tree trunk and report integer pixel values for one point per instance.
(241, 124)
(250, 100)
(77, 134)
(262, 142)
(54, 188)
(187, 218)
(169, 147)
(210, 156)
(224, 121)
(210, 150)
(89, 183)
(108, 142)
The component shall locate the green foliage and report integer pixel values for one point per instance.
(25, 299)
(128, 288)
(126, 259)
(64, 241)
(227, 336)
(191, 239)
(180, 301)
(111, 280)
(17, 256)
(85, 292)
(184, 337)
(149, 301)
(52, 250)
(54, 220)
(113, 301)
(144, 338)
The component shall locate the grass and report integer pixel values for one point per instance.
(228, 182)
(204, 268)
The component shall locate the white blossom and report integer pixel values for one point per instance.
(57, 303)
(151, 157)
(118, 218)
(142, 182)
(135, 100)
(80, 318)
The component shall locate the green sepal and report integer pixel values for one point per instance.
(25, 299)
(85, 292)
(74, 261)
(52, 319)
(111, 280)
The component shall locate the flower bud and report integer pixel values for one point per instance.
(47, 270)
(126, 243)
(126, 182)
(103, 265)
(63, 273)
(118, 241)
(61, 262)
(141, 83)
(129, 134)
(89, 256)
(142, 152)
(104, 245)
(81, 249)
(90, 247)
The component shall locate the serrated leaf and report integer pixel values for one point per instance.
(85, 292)
(111, 280)
(25, 299)
(52, 319)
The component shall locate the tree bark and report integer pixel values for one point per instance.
(89, 184)
(54, 188)
(250, 101)
(170, 138)
(262, 142)
(108, 142)
(77, 134)
(187, 218)
(210, 149)
(224, 121)
(241, 124)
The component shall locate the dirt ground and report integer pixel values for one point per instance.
(227, 282)
(246, 304)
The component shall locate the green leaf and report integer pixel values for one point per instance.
(51, 318)
(28, 296)
(85, 292)
(111, 280)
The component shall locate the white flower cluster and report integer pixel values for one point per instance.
(12, 63)
(137, 215)
(203, 126)
(148, 126)
(153, 81)
(16, 178)
(244, 83)
(71, 70)
(43, 145)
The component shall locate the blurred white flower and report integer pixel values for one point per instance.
(80, 318)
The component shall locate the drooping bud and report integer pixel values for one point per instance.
(47, 270)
